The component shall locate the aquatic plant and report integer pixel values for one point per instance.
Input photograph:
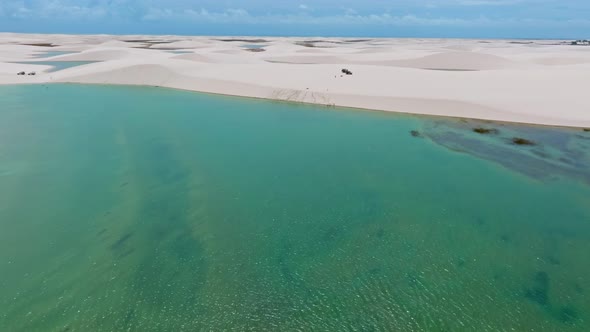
(568, 315)
(522, 141)
(484, 131)
(539, 292)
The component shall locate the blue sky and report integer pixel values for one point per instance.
(373, 18)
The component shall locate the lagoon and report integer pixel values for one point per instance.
(148, 209)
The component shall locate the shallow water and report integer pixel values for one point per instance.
(145, 209)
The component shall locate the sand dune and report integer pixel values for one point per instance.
(195, 57)
(556, 61)
(314, 59)
(185, 44)
(532, 82)
(117, 43)
(455, 61)
(146, 74)
(97, 55)
(311, 50)
(10, 69)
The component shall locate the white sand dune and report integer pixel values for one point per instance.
(556, 61)
(8, 70)
(97, 54)
(195, 57)
(184, 44)
(149, 74)
(538, 82)
(311, 50)
(310, 59)
(117, 43)
(455, 61)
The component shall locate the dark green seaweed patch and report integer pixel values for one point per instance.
(522, 141)
(416, 133)
(568, 315)
(539, 292)
(120, 243)
(485, 131)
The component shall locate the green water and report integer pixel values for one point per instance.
(145, 209)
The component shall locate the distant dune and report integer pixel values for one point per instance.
(195, 57)
(456, 61)
(533, 82)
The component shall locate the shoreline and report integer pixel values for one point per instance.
(327, 107)
(492, 81)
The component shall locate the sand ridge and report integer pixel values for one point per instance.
(539, 82)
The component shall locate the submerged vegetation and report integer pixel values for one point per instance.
(522, 141)
(481, 130)
(416, 133)
(224, 213)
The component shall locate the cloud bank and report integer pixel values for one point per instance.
(537, 18)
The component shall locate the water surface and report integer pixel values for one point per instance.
(145, 209)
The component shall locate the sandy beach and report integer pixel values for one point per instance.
(538, 82)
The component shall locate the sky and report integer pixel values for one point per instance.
(567, 19)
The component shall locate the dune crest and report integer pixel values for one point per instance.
(456, 61)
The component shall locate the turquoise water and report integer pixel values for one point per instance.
(58, 65)
(145, 209)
